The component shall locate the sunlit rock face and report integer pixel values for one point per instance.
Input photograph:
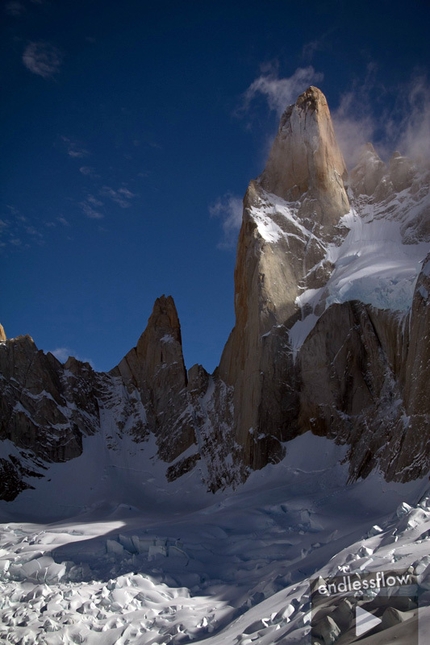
(290, 212)
(304, 354)
(331, 336)
(306, 164)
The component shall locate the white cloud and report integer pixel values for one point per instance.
(229, 208)
(403, 124)
(354, 124)
(63, 353)
(88, 171)
(392, 118)
(362, 114)
(75, 149)
(120, 196)
(281, 92)
(414, 140)
(42, 58)
(94, 201)
(310, 48)
(89, 211)
(4, 225)
(127, 193)
(18, 231)
(31, 230)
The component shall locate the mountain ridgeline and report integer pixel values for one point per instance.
(332, 335)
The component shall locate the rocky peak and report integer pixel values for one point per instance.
(2, 334)
(159, 348)
(161, 342)
(156, 366)
(305, 162)
(289, 210)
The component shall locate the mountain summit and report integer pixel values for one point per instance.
(330, 337)
(306, 163)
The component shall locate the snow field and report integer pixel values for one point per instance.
(377, 262)
(233, 570)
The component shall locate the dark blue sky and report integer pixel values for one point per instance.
(130, 131)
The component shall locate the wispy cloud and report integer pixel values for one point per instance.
(396, 118)
(91, 207)
(353, 120)
(31, 230)
(4, 225)
(94, 201)
(323, 42)
(414, 127)
(402, 124)
(122, 196)
(354, 124)
(75, 149)
(42, 59)
(77, 153)
(63, 353)
(310, 48)
(17, 231)
(14, 8)
(88, 171)
(280, 92)
(229, 209)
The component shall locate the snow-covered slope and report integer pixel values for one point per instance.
(224, 568)
(379, 260)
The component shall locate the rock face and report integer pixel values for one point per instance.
(289, 211)
(305, 162)
(156, 367)
(332, 335)
(45, 410)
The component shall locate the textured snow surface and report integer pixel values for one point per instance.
(374, 264)
(178, 565)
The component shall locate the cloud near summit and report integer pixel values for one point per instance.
(392, 118)
(229, 209)
(281, 92)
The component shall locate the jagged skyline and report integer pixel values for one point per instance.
(130, 138)
(252, 496)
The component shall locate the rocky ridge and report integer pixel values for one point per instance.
(332, 290)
